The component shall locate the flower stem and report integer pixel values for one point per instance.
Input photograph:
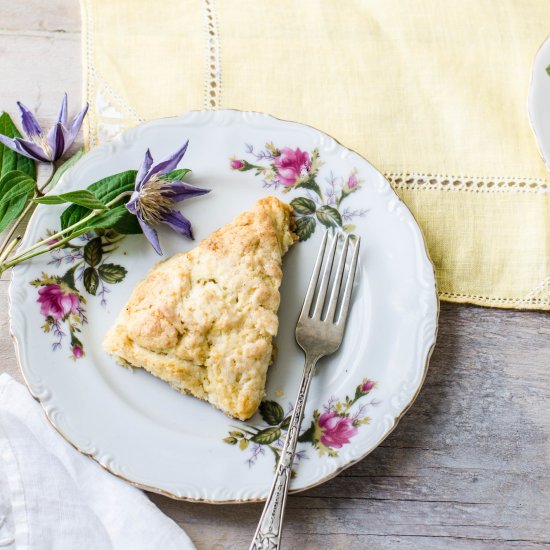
(245, 430)
(27, 256)
(9, 248)
(14, 228)
(24, 255)
(40, 191)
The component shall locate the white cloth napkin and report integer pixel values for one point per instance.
(54, 498)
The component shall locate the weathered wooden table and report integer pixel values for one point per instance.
(467, 467)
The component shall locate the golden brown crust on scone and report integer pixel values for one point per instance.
(204, 321)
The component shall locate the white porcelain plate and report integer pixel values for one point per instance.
(137, 426)
(539, 100)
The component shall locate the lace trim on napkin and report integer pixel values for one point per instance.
(541, 293)
(213, 73)
(415, 180)
(532, 299)
(113, 114)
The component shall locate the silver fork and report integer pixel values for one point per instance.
(318, 336)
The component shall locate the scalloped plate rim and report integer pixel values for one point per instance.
(16, 329)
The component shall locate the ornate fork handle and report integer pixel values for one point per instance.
(268, 533)
(318, 336)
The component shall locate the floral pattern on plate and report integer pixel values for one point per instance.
(154, 459)
(61, 301)
(294, 169)
(329, 430)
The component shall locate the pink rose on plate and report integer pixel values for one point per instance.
(336, 430)
(55, 302)
(77, 351)
(237, 164)
(352, 184)
(367, 385)
(291, 165)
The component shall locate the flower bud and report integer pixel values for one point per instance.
(367, 385)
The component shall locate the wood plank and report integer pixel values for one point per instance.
(54, 16)
(37, 70)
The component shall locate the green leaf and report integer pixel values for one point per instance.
(230, 440)
(272, 412)
(309, 183)
(91, 280)
(15, 189)
(68, 278)
(13, 184)
(277, 454)
(71, 161)
(110, 187)
(303, 205)
(548, 70)
(286, 423)
(106, 220)
(243, 444)
(10, 160)
(329, 216)
(82, 198)
(308, 434)
(93, 252)
(305, 227)
(112, 273)
(267, 436)
(105, 190)
(127, 224)
(178, 174)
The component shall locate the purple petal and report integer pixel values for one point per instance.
(25, 148)
(29, 122)
(12, 144)
(131, 205)
(179, 191)
(169, 163)
(76, 124)
(180, 224)
(62, 117)
(141, 177)
(151, 235)
(57, 141)
(31, 150)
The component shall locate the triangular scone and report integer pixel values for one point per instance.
(204, 321)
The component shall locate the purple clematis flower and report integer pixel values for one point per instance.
(45, 147)
(154, 196)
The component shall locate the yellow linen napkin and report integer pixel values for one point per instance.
(432, 92)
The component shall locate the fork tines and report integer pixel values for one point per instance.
(331, 316)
